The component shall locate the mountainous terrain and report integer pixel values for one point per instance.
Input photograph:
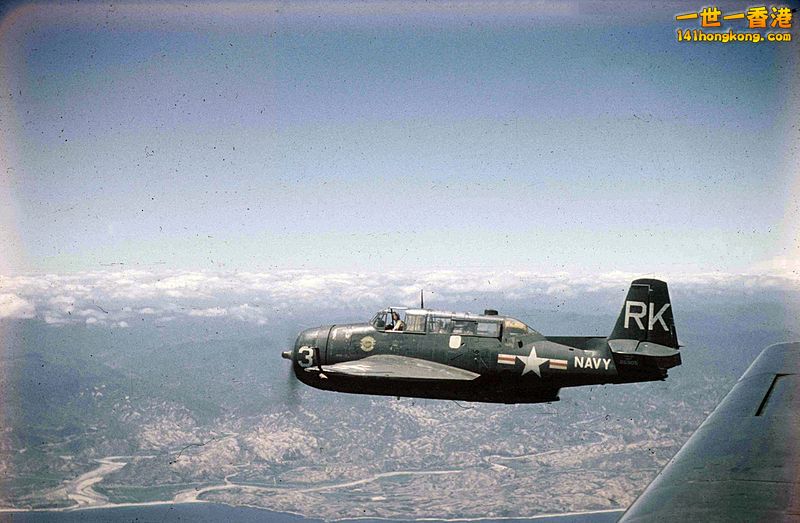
(203, 408)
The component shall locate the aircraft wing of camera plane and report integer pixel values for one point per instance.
(742, 463)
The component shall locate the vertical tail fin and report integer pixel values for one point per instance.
(647, 315)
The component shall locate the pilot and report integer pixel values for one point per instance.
(398, 323)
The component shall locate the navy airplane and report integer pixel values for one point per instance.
(425, 353)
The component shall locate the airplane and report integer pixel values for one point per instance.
(487, 357)
(742, 463)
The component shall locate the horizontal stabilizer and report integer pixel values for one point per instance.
(643, 354)
(644, 348)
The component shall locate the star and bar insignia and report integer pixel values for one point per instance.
(532, 362)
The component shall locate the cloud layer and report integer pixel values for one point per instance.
(115, 298)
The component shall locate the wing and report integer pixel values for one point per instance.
(742, 463)
(400, 367)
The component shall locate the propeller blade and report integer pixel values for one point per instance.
(292, 392)
(293, 397)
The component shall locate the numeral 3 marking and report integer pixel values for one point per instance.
(307, 357)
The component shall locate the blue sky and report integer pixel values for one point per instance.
(337, 136)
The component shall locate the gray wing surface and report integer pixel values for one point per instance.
(743, 463)
(402, 367)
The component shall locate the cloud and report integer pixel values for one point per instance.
(788, 266)
(136, 297)
(212, 312)
(12, 306)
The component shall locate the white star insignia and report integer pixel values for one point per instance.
(532, 362)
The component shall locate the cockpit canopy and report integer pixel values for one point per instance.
(421, 321)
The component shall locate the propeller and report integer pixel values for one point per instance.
(292, 392)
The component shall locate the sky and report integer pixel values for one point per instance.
(392, 137)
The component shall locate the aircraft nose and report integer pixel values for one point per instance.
(309, 349)
(305, 339)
